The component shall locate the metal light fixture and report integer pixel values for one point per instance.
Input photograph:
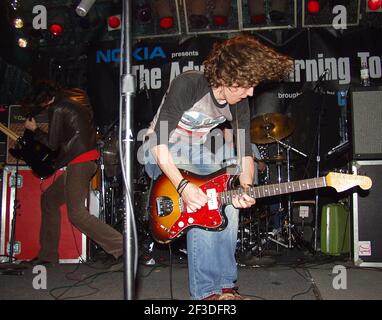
(197, 13)
(84, 6)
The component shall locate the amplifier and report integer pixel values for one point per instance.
(366, 120)
(72, 246)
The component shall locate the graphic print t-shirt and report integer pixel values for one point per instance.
(189, 111)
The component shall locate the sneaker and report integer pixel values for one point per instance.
(231, 294)
(214, 296)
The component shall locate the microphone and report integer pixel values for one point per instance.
(326, 71)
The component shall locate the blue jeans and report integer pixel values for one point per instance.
(211, 254)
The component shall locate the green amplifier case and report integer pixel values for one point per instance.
(335, 229)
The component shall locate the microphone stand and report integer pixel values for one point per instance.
(126, 116)
(317, 88)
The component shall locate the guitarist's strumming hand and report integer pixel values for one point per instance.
(194, 197)
(30, 124)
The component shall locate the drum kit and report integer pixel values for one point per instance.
(256, 231)
(108, 184)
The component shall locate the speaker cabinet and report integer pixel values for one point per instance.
(367, 217)
(366, 119)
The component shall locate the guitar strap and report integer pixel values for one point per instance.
(238, 142)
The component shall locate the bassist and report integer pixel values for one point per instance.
(72, 133)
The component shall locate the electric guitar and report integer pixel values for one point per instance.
(170, 218)
(36, 155)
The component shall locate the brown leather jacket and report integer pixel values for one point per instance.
(71, 127)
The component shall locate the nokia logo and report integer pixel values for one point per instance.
(139, 54)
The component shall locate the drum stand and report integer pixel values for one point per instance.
(288, 222)
(102, 196)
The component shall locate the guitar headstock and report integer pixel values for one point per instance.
(342, 181)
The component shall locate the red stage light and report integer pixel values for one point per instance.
(256, 12)
(374, 4)
(220, 21)
(166, 22)
(114, 22)
(258, 19)
(56, 29)
(313, 6)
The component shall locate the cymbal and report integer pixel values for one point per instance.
(269, 125)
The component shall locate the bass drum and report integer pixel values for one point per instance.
(111, 155)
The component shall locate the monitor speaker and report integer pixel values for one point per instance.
(366, 123)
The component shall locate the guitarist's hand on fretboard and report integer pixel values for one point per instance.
(30, 124)
(194, 197)
(243, 201)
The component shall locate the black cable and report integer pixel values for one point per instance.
(80, 254)
(148, 273)
(77, 284)
(170, 272)
(302, 293)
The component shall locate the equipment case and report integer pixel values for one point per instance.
(367, 217)
(72, 245)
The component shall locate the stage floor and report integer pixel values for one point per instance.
(289, 275)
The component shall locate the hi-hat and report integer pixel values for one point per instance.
(270, 125)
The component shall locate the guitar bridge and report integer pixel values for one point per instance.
(164, 206)
(181, 206)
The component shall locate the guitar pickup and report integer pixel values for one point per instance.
(212, 199)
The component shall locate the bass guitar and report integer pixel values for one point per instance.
(36, 155)
(170, 218)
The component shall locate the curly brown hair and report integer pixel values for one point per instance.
(244, 61)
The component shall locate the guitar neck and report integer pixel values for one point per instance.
(8, 132)
(270, 190)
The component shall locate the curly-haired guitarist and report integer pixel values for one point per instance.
(195, 103)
